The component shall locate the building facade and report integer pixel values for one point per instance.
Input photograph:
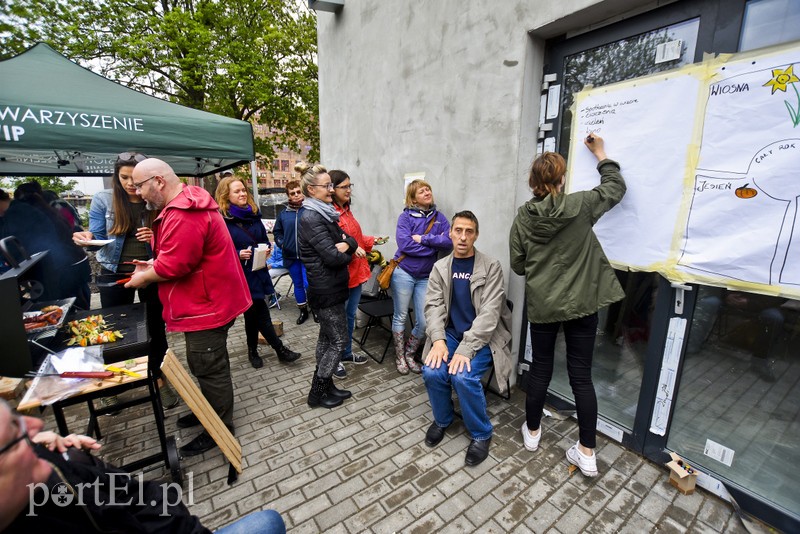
(279, 171)
(465, 93)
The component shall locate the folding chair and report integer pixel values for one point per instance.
(376, 310)
(276, 274)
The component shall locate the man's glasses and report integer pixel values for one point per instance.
(24, 435)
(140, 184)
(131, 156)
(348, 187)
(329, 187)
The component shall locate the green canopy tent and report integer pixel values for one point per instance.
(58, 118)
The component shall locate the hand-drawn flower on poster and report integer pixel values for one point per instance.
(780, 79)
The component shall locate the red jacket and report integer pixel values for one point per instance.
(193, 250)
(358, 267)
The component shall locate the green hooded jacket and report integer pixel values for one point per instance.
(567, 274)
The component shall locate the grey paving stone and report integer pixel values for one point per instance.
(483, 510)
(481, 486)
(652, 507)
(636, 524)
(425, 502)
(455, 506)
(513, 514)
(594, 500)
(565, 496)
(573, 520)
(606, 522)
(359, 521)
(310, 509)
(335, 515)
(543, 517)
(426, 524)
(714, 513)
(394, 522)
(459, 526)
(399, 496)
(623, 503)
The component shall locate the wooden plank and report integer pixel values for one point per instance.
(185, 387)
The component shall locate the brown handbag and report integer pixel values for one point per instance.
(385, 276)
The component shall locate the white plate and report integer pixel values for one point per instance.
(95, 242)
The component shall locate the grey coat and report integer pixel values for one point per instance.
(492, 324)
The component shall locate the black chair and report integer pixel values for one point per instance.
(376, 309)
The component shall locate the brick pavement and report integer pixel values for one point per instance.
(363, 467)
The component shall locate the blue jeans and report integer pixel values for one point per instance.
(469, 388)
(263, 522)
(404, 288)
(579, 335)
(351, 307)
(297, 272)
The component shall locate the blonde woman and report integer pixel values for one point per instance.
(244, 224)
(422, 233)
(326, 252)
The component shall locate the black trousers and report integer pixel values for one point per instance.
(257, 319)
(579, 335)
(154, 313)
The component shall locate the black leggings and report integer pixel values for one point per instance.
(332, 338)
(579, 335)
(257, 319)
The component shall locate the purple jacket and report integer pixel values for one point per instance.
(420, 257)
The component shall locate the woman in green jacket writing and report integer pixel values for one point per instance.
(568, 278)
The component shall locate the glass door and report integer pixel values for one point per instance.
(737, 411)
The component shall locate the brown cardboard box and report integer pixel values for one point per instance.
(681, 474)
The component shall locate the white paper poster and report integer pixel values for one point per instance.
(638, 122)
(743, 221)
(710, 155)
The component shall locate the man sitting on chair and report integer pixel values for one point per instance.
(469, 329)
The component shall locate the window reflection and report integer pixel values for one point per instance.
(623, 333)
(769, 22)
(621, 60)
(739, 388)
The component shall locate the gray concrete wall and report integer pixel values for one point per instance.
(449, 88)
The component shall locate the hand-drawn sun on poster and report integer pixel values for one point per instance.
(780, 79)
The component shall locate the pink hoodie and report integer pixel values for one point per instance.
(205, 286)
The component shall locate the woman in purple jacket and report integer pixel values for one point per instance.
(410, 279)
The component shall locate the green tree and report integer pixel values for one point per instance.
(53, 183)
(254, 60)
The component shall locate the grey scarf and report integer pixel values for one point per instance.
(323, 208)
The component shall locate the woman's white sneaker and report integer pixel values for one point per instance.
(587, 464)
(531, 442)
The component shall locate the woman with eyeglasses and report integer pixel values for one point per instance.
(243, 220)
(359, 266)
(326, 252)
(285, 232)
(422, 233)
(120, 214)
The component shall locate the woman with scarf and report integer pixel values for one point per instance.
(244, 224)
(285, 232)
(326, 252)
(359, 267)
(422, 233)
